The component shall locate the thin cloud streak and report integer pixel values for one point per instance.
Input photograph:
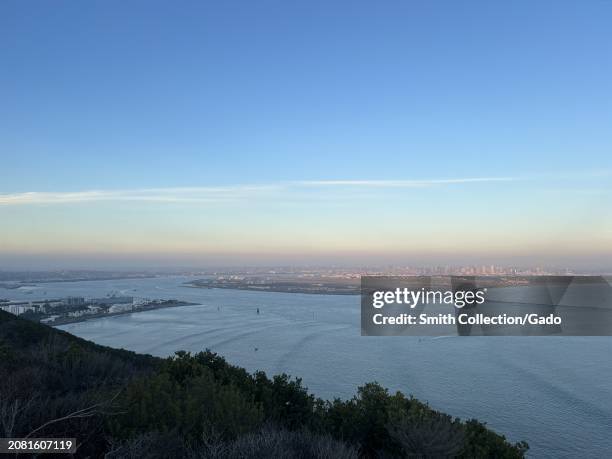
(183, 194)
(220, 194)
(403, 183)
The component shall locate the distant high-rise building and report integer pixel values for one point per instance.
(75, 301)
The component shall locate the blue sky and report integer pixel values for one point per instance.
(300, 116)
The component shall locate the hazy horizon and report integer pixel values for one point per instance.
(158, 262)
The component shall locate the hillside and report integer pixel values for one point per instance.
(121, 404)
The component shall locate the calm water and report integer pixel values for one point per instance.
(554, 392)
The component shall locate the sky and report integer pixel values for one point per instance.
(202, 133)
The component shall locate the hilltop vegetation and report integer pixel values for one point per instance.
(120, 404)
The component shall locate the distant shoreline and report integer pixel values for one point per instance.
(279, 288)
(72, 320)
(14, 285)
(85, 279)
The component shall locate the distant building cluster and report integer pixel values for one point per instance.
(492, 270)
(443, 270)
(51, 310)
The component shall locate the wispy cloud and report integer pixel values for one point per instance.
(188, 194)
(222, 193)
(401, 183)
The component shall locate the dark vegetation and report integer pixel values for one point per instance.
(119, 404)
